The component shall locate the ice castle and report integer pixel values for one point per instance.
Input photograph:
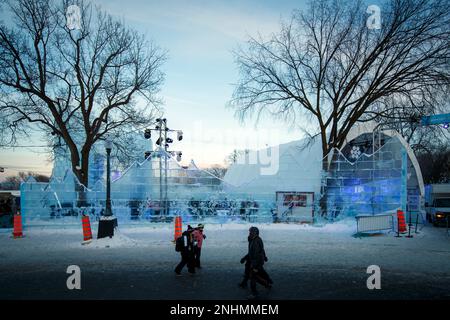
(375, 172)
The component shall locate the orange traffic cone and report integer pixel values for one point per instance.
(17, 232)
(87, 233)
(178, 228)
(401, 221)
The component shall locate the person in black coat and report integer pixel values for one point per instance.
(187, 253)
(243, 283)
(254, 261)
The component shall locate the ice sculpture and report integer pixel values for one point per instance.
(155, 189)
(371, 174)
(376, 180)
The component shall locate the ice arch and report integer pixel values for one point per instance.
(370, 128)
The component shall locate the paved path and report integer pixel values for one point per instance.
(303, 265)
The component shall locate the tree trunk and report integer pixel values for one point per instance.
(83, 177)
(323, 187)
(327, 166)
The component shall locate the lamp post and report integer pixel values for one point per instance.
(108, 147)
(107, 221)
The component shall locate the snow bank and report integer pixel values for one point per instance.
(161, 234)
(54, 230)
(117, 241)
(343, 226)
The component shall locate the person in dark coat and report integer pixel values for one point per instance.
(244, 283)
(254, 261)
(187, 253)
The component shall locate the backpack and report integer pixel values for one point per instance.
(179, 244)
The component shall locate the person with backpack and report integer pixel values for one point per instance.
(185, 245)
(198, 241)
(256, 257)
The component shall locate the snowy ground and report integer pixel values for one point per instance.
(305, 262)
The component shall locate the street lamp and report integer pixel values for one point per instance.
(107, 221)
(108, 147)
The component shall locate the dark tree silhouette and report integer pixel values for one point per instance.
(80, 85)
(327, 66)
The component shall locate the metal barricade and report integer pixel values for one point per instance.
(373, 223)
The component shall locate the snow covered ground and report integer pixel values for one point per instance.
(305, 261)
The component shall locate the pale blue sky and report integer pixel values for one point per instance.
(200, 71)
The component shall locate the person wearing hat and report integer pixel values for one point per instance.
(198, 241)
(257, 256)
(187, 253)
(243, 284)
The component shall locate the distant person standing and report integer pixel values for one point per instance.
(185, 245)
(255, 211)
(198, 241)
(274, 213)
(242, 210)
(257, 257)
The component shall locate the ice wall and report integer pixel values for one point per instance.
(365, 182)
(364, 179)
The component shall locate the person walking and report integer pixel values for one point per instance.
(198, 237)
(244, 283)
(257, 257)
(186, 251)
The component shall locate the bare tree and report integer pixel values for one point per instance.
(13, 182)
(327, 66)
(79, 84)
(434, 164)
(404, 113)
